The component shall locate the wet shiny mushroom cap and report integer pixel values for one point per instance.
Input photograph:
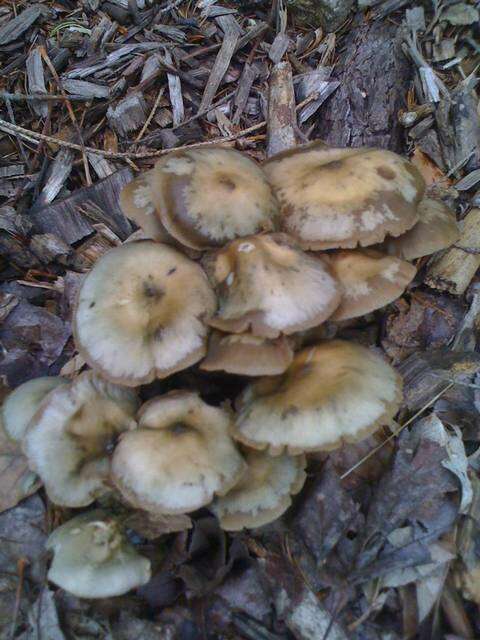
(332, 393)
(263, 494)
(93, 558)
(370, 280)
(340, 198)
(23, 402)
(206, 197)
(181, 455)
(70, 439)
(141, 313)
(267, 285)
(247, 355)
(436, 229)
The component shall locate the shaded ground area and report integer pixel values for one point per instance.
(383, 542)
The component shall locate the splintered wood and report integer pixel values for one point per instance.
(282, 119)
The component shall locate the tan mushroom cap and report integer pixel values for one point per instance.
(206, 197)
(332, 393)
(370, 280)
(140, 313)
(69, 440)
(23, 402)
(331, 198)
(93, 558)
(247, 355)
(267, 285)
(179, 458)
(136, 203)
(436, 229)
(263, 494)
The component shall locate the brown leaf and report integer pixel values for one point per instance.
(16, 480)
(151, 526)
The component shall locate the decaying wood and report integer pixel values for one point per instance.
(282, 118)
(454, 270)
(36, 80)
(128, 115)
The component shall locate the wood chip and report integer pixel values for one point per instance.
(36, 81)
(282, 119)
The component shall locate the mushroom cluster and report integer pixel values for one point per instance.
(237, 263)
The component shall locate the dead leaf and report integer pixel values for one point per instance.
(429, 170)
(16, 480)
(152, 526)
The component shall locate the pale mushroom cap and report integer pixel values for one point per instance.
(140, 313)
(332, 198)
(93, 559)
(206, 197)
(247, 355)
(267, 285)
(136, 203)
(436, 229)
(263, 494)
(21, 404)
(179, 458)
(69, 439)
(332, 393)
(370, 280)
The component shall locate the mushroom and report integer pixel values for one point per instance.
(93, 558)
(247, 355)
(70, 438)
(436, 229)
(206, 197)
(263, 494)
(136, 203)
(332, 393)
(331, 198)
(370, 280)
(140, 313)
(267, 285)
(180, 456)
(21, 404)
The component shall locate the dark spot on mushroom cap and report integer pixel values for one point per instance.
(158, 333)
(152, 291)
(92, 304)
(172, 270)
(226, 182)
(386, 172)
(291, 411)
(178, 429)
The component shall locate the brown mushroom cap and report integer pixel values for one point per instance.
(436, 229)
(331, 198)
(136, 203)
(206, 197)
(140, 313)
(69, 438)
(370, 280)
(263, 494)
(247, 355)
(332, 393)
(267, 285)
(181, 455)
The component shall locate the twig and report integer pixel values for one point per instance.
(395, 433)
(22, 97)
(151, 114)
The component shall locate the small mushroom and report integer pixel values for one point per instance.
(267, 285)
(247, 355)
(136, 203)
(206, 197)
(140, 313)
(263, 494)
(180, 456)
(93, 558)
(23, 402)
(436, 229)
(370, 280)
(70, 438)
(331, 198)
(332, 393)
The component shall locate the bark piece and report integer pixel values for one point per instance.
(128, 115)
(14, 28)
(36, 81)
(282, 119)
(454, 270)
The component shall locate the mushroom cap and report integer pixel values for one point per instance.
(140, 312)
(370, 280)
(332, 393)
(69, 439)
(93, 559)
(436, 229)
(181, 455)
(247, 355)
(136, 203)
(263, 494)
(23, 402)
(332, 198)
(267, 285)
(206, 197)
